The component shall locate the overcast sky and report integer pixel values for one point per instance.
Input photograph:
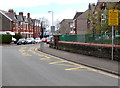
(63, 9)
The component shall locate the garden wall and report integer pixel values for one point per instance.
(90, 49)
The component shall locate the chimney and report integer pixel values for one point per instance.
(21, 13)
(10, 10)
(28, 15)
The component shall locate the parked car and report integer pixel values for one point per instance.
(44, 39)
(48, 40)
(30, 40)
(21, 41)
(37, 40)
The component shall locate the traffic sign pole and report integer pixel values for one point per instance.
(113, 21)
(112, 42)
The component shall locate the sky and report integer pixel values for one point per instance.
(62, 9)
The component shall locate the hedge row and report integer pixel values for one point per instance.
(102, 52)
(5, 38)
(17, 36)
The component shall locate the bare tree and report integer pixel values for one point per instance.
(57, 24)
(44, 24)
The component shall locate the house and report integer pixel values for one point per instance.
(91, 18)
(11, 14)
(5, 22)
(65, 26)
(26, 26)
(36, 28)
(80, 22)
(98, 17)
(76, 21)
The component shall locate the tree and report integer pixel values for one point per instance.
(17, 36)
(57, 24)
(44, 24)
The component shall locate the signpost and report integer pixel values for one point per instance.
(113, 17)
(113, 21)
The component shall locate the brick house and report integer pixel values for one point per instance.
(65, 26)
(98, 16)
(91, 17)
(36, 28)
(5, 19)
(76, 21)
(21, 24)
(81, 23)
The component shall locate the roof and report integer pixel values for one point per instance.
(3, 11)
(5, 15)
(12, 16)
(25, 19)
(20, 18)
(67, 20)
(30, 21)
(83, 15)
(77, 14)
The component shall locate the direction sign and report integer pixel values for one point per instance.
(113, 17)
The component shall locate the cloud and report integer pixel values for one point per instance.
(6, 4)
(24, 5)
(75, 1)
(68, 14)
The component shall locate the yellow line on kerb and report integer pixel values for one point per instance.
(104, 73)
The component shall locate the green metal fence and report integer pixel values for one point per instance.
(91, 38)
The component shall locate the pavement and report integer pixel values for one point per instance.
(106, 65)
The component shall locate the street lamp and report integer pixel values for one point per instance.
(52, 16)
(52, 27)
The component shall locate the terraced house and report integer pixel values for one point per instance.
(25, 25)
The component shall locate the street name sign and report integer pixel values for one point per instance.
(113, 17)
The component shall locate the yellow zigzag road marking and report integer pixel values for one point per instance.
(65, 65)
(23, 51)
(57, 62)
(25, 54)
(36, 53)
(72, 64)
(44, 58)
(75, 68)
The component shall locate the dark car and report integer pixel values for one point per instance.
(21, 41)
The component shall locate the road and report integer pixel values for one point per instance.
(24, 65)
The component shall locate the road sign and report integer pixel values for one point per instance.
(113, 17)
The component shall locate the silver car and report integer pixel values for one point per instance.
(37, 40)
(30, 40)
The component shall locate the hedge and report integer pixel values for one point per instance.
(97, 51)
(17, 36)
(5, 38)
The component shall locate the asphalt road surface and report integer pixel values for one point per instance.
(24, 65)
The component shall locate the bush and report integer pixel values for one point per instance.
(17, 36)
(5, 38)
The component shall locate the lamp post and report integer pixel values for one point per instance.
(52, 27)
(52, 16)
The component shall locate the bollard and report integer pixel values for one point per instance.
(41, 46)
